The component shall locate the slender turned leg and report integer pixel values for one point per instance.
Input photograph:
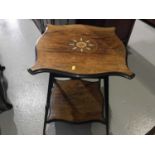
(50, 85)
(106, 102)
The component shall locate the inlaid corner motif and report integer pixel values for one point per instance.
(81, 45)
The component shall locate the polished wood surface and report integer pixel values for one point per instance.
(123, 26)
(81, 50)
(76, 101)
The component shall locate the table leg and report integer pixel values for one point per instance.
(106, 102)
(50, 85)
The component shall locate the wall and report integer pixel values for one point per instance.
(142, 41)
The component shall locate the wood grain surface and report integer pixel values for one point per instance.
(80, 50)
(76, 101)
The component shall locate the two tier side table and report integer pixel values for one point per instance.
(79, 51)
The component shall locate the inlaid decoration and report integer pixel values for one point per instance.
(81, 45)
(81, 51)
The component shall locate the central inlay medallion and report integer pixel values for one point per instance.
(81, 44)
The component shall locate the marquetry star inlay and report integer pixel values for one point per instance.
(81, 44)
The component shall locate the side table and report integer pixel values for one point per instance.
(79, 51)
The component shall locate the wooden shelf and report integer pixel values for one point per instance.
(76, 101)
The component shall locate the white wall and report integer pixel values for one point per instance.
(143, 40)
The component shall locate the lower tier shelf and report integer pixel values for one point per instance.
(76, 101)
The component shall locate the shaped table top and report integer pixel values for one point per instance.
(81, 51)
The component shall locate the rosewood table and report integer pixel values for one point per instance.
(79, 51)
